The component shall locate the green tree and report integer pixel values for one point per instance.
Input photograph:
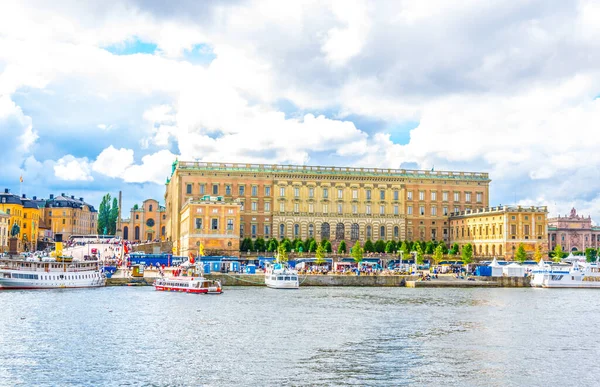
(369, 247)
(313, 246)
(136, 207)
(287, 246)
(259, 244)
(455, 249)
(327, 246)
(112, 219)
(557, 253)
(282, 253)
(438, 254)
(444, 248)
(306, 244)
(467, 253)
(419, 255)
(104, 215)
(429, 247)
(537, 254)
(320, 255)
(380, 246)
(404, 249)
(521, 255)
(342, 249)
(590, 254)
(299, 246)
(273, 244)
(357, 253)
(246, 245)
(390, 247)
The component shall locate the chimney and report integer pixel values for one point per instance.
(72, 196)
(62, 194)
(80, 199)
(24, 196)
(6, 190)
(35, 198)
(51, 196)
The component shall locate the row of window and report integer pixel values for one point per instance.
(214, 224)
(445, 195)
(480, 230)
(228, 190)
(325, 193)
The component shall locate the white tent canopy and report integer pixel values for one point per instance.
(513, 270)
(496, 268)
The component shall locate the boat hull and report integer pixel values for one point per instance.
(16, 284)
(188, 290)
(282, 284)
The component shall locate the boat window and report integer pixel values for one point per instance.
(279, 278)
(294, 278)
(287, 278)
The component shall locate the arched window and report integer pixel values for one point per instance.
(296, 230)
(126, 233)
(150, 208)
(137, 233)
(311, 230)
(369, 232)
(340, 231)
(354, 232)
(325, 231)
(162, 231)
(396, 232)
(282, 230)
(382, 232)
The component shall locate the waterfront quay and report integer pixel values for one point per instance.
(411, 281)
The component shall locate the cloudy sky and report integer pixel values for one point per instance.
(102, 96)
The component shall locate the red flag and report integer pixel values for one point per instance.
(191, 258)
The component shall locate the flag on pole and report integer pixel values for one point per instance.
(21, 179)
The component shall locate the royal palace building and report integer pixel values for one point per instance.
(336, 203)
(498, 231)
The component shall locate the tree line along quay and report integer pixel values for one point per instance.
(233, 209)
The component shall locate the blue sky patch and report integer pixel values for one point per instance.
(400, 134)
(201, 54)
(130, 47)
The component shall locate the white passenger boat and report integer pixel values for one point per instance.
(579, 274)
(198, 285)
(49, 273)
(279, 276)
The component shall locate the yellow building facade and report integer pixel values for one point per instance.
(211, 223)
(334, 203)
(26, 214)
(68, 215)
(146, 222)
(498, 231)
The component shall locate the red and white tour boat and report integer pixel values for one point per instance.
(188, 285)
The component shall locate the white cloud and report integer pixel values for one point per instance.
(113, 162)
(155, 168)
(71, 168)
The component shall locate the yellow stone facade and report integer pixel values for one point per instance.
(336, 203)
(212, 223)
(68, 215)
(498, 231)
(146, 222)
(26, 214)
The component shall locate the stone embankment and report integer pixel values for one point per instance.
(234, 279)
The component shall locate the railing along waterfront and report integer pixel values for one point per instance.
(327, 170)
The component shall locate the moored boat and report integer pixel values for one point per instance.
(579, 274)
(198, 285)
(49, 273)
(279, 276)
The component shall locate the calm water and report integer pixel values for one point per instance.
(313, 336)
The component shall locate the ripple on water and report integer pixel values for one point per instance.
(315, 336)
